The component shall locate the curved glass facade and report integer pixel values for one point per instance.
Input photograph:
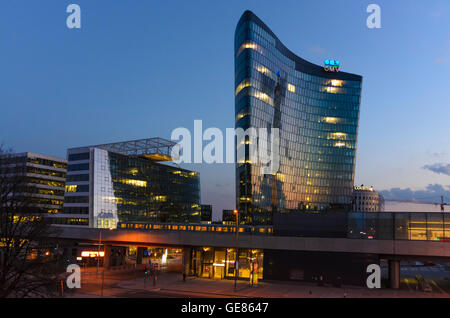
(317, 115)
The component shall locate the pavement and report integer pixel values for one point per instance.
(131, 284)
(436, 277)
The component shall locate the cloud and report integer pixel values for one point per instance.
(440, 60)
(439, 168)
(432, 193)
(439, 154)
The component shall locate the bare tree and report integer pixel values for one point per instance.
(27, 239)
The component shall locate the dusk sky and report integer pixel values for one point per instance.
(139, 69)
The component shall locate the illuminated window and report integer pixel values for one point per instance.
(92, 254)
(331, 90)
(25, 219)
(418, 231)
(134, 171)
(250, 45)
(161, 198)
(339, 144)
(264, 70)
(337, 83)
(337, 135)
(185, 174)
(245, 83)
(291, 88)
(71, 188)
(264, 97)
(241, 115)
(331, 120)
(136, 183)
(112, 200)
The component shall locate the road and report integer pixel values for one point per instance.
(131, 284)
(437, 277)
(137, 287)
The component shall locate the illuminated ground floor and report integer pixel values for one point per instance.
(281, 265)
(220, 263)
(253, 265)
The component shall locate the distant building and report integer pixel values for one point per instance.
(125, 185)
(228, 217)
(44, 176)
(206, 213)
(366, 199)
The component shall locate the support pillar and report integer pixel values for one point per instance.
(187, 260)
(139, 255)
(107, 257)
(394, 274)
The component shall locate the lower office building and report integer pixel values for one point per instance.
(43, 180)
(111, 185)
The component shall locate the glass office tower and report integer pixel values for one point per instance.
(115, 184)
(316, 112)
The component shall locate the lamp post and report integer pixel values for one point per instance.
(100, 243)
(236, 261)
(98, 250)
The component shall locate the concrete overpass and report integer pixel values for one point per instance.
(392, 250)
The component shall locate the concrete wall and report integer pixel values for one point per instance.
(387, 248)
(348, 268)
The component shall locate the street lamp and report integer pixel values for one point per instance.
(236, 262)
(98, 251)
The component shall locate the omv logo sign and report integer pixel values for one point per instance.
(332, 65)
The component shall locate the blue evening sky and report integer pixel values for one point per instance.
(139, 69)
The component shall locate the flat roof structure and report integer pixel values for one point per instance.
(157, 149)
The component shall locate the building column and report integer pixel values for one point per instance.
(394, 274)
(139, 255)
(187, 260)
(107, 257)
